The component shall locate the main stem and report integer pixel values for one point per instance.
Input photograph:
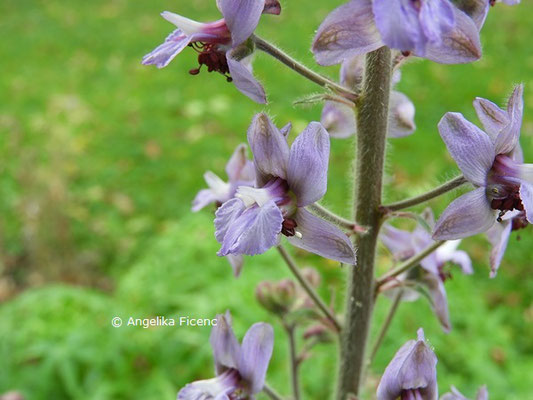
(370, 156)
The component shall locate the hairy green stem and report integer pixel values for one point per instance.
(330, 216)
(370, 156)
(410, 263)
(308, 288)
(298, 67)
(440, 190)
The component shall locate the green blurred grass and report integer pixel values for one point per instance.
(102, 157)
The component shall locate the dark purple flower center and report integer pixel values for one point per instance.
(212, 57)
(503, 187)
(411, 394)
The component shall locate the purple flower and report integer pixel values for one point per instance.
(339, 119)
(240, 369)
(240, 172)
(482, 394)
(433, 29)
(221, 45)
(411, 374)
(431, 274)
(287, 180)
(492, 161)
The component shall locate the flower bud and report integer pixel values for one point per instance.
(312, 276)
(277, 298)
(286, 292)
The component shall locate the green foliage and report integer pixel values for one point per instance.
(102, 157)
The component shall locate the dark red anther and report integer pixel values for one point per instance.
(495, 204)
(492, 2)
(288, 227)
(508, 203)
(519, 222)
(406, 53)
(212, 58)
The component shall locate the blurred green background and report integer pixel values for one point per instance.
(101, 158)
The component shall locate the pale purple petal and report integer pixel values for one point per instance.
(398, 241)
(430, 263)
(465, 216)
(498, 236)
(413, 366)
(436, 18)
(439, 302)
(492, 117)
(322, 238)
(218, 388)
(526, 195)
(517, 154)
(352, 72)
(511, 2)
(241, 16)
(398, 23)
(202, 199)
(226, 349)
(448, 253)
(236, 261)
(507, 140)
(475, 9)
(483, 393)
(286, 130)
(237, 164)
(307, 174)
(253, 232)
(421, 239)
(256, 351)
(243, 78)
(347, 31)
(272, 7)
(162, 55)
(338, 119)
(458, 46)
(453, 395)
(462, 259)
(225, 216)
(401, 115)
(270, 149)
(470, 147)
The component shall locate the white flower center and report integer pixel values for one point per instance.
(250, 195)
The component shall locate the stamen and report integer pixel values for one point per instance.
(288, 228)
(214, 59)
